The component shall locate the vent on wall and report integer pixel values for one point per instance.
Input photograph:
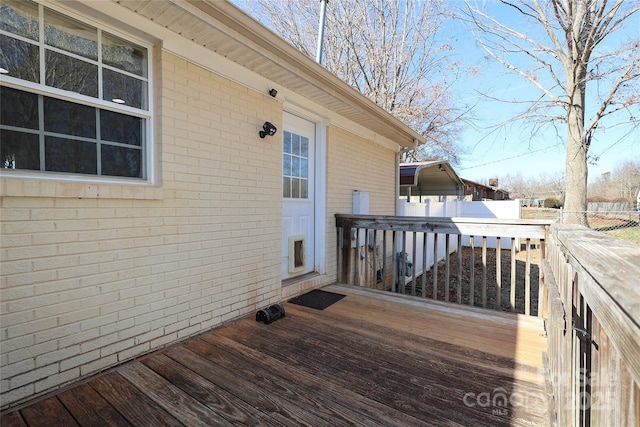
(297, 253)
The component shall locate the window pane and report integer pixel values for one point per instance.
(286, 187)
(124, 55)
(295, 188)
(286, 165)
(19, 150)
(286, 142)
(304, 168)
(69, 118)
(304, 147)
(64, 72)
(125, 89)
(295, 166)
(304, 189)
(19, 108)
(70, 35)
(295, 144)
(67, 155)
(121, 161)
(20, 59)
(121, 128)
(19, 17)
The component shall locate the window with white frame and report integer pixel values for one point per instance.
(295, 170)
(74, 98)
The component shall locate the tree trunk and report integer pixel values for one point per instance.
(575, 203)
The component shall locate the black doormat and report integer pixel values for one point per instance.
(317, 299)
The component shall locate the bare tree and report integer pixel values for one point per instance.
(620, 184)
(572, 52)
(390, 51)
(550, 185)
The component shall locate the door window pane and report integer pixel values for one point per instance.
(69, 118)
(124, 89)
(20, 17)
(286, 142)
(295, 144)
(70, 35)
(295, 166)
(121, 161)
(20, 59)
(67, 73)
(20, 109)
(126, 56)
(19, 150)
(286, 187)
(68, 155)
(286, 165)
(295, 188)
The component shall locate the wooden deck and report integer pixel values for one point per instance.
(372, 358)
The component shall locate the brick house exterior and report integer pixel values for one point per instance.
(96, 269)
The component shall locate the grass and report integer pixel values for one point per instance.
(630, 234)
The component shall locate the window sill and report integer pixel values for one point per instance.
(21, 187)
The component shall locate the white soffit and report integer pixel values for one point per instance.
(223, 28)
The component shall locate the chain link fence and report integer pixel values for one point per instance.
(623, 224)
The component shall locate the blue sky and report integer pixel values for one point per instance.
(513, 149)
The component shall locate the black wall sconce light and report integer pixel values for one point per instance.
(268, 129)
(273, 92)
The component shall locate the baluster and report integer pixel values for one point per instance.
(459, 269)
(498, 274)
(384, 260)
(339, 237)
(394, 262)
(512, 297)
(447, 269)
(527, 280)
(357, 260)
(413, 270)
(435, 266)
(472, 285)
(425, 237)
(484, 271)
(366, 257)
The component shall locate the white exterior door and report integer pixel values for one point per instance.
(298, 194)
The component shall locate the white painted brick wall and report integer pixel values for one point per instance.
(90, 282)
(373, 171)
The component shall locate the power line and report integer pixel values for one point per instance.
(507, 158)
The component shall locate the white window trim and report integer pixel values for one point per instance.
(149, 148)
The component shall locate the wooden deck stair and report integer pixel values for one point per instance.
(373, 358)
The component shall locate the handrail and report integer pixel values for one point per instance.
(593, 306)
(531, 228)
(367, 256)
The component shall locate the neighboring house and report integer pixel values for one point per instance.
(422, 180)
(475, 191)
(140, 205)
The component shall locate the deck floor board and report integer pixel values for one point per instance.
(369, 359)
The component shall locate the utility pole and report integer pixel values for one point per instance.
(323, 14)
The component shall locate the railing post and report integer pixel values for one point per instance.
(346, 254)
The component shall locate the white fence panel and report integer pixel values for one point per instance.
(503, 209)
